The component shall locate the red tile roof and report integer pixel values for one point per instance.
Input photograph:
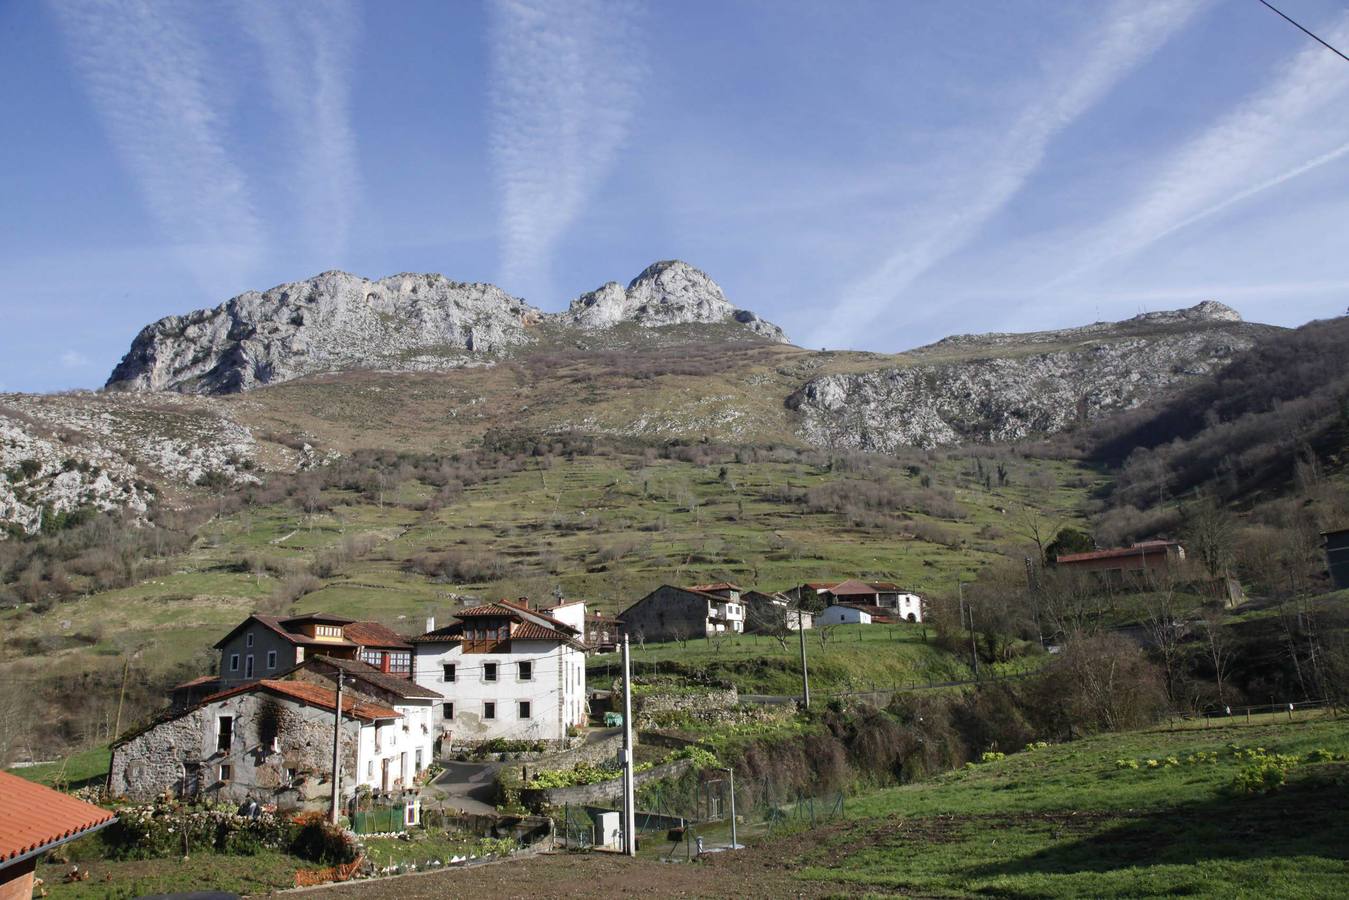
(532, 631)
(715, 586)
(852, 588)
(313, 694)
(1139, 549)
(373, 634)
(33, 817)
(196, 682)
(447, 635)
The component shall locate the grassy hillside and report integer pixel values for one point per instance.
(400, 540)
(1077, 820)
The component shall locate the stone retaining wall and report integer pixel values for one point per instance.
(593, 794)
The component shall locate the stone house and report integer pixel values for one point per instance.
(265, 646)
(1116, 564)
(770, 613)
(506, 671)
(672, 613)
(266, 740)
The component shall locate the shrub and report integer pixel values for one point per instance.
(992, 756)
(318, 840)
(1263, 772)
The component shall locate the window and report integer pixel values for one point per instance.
(271, 659)
(373, 658)
(526, 671)
(234, 662)
(400, 662)
(248, 640)
(419, 760)
(448, 711)
(248, 666)
(489, 671)
(224, 733)
(370, 769)
(449, 672)
(226, 772)
(524, 709)
(489, 710)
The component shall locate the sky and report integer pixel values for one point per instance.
(869, 175)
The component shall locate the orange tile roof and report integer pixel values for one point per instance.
(715, 586)
(313, 694)
(852, 588)
(33, 816)
(1140, 549)
(373, 634)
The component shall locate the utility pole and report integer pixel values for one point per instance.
(629, 800)
(121, 698)
(974, 655)
(337, 753)
(734, 844)
(805, 673)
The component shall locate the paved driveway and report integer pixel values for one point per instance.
(467, 786)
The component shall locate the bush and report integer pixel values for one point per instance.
(1264, 772)
(318, 840)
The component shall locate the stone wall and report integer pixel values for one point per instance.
(592, 794)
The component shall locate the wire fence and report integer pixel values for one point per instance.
(1260, 714)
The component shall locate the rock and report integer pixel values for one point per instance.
(665, 293)
(336, 322)
(1008, 394)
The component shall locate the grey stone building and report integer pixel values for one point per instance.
(271, 741)
(672, 613)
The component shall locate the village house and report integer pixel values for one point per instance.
(1115, 564)
(265, 646)
(267, 740)
(672, 613)
(853, 614)
(772, 613)
(506, 671)
(895, 603)
(34, 820)
(599, 633)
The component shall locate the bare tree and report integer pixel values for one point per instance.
(824, 634)
(1211, 532)
(1033, 525)
(1217, 647)
(1163, 617)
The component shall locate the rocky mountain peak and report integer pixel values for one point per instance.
(669, 292)
(1207, 311)
(337, 321)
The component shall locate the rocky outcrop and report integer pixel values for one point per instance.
(1001, 387)
(331, 322)
(666, 293)
(336, 322)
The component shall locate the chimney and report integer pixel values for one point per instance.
(524, 602)
(430, 624)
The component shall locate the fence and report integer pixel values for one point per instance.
(379, 820)
(1263, 714)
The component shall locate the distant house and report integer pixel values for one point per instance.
(1147, 557)
(852, 614)
(1337, 557)
(506, 671)
(267, 740)
(897, 603)
(602, 633)
(770, 613)
(672, 613)
(33, 820)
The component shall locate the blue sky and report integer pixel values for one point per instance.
(868, 175)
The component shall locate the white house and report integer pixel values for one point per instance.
(841, 614)
(505, 671)
(895, 602)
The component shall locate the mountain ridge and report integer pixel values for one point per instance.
(408, 322)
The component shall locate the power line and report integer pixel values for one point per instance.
(1305, 31)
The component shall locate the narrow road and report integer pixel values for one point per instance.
(467, 787)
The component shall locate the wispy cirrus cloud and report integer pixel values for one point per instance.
(307, 54)
(564, 83)
(146, 72)
(1129, 34)
(1290, 127)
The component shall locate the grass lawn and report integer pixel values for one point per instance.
(855, 658)
(84, 767)
(113, 880)
(1068, 821)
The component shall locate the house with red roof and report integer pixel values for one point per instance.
(1113, 564)
(271, 740)
(264, 646)
(33, 820)
(506, 670)
(894, 603)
